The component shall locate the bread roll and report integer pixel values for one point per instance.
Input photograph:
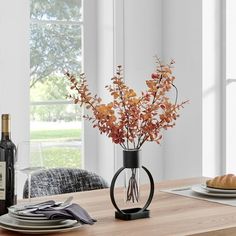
(223, 182)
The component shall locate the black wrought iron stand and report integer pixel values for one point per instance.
(131, 160)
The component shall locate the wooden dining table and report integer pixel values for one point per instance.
(170, 214)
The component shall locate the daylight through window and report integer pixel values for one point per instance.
(55, 46)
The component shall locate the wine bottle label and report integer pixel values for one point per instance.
(2, 180)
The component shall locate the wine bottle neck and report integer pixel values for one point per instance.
(6, 136)
(6, 127)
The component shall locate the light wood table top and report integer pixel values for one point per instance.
(170, 215)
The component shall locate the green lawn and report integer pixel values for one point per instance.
(56, 156)
(63, 134)
(62, 157)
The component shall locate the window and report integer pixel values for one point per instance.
(55, 46)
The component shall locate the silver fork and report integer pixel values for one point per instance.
(66, 203)
(32, 206)
(58, 206)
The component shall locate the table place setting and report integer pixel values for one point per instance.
(45, 217)
(221, 189)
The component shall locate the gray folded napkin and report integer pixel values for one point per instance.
(73, 212)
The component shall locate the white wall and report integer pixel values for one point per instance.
(142, 41)
(126, 38)
(169, 29)
(213, 138)
(229, 95)
(182, 40)
(14, 67)
(90, 68)
(105, 62)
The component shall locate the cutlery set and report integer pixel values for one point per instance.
(40, 206)
(30, 218)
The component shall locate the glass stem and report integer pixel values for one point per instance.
(29, 187)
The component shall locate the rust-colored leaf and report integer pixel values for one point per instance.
(130, 120)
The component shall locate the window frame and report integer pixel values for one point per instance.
(88, 65)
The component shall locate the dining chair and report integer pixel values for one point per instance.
(62, 180)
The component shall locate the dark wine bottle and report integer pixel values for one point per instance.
(7, 163)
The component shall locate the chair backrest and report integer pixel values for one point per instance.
(62, 180)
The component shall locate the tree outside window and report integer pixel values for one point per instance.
(55, 46)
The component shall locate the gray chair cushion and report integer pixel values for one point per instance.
(62, 180)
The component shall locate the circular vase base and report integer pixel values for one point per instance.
(132, 214)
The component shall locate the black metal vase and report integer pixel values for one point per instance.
(131, 166)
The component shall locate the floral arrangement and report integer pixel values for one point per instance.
(129, 119)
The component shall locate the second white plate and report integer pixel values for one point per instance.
(7, 220)
(199, 189)
(34, 221)
(41, 231)
(218, 190)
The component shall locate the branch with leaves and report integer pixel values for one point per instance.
(131, 120)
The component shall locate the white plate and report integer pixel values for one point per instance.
(37, 218)
(35, 221)
(9, 221)
(198, 189)
(218, 190)
(42, 231)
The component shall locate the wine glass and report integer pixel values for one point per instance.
(29, 159)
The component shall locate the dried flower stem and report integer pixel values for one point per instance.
(132, 193)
